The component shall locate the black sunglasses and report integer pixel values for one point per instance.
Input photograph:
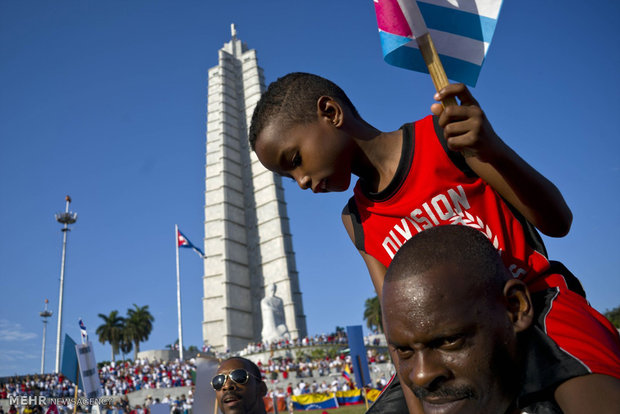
(238, 376)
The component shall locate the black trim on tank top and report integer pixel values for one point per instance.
(404, 165)
(532, 237)
(572, 282)
(358, 230)
(456, 157)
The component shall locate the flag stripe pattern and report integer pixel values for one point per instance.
(350, 397)
(83, 331)
(314, 401)
(346, 376)
(462, 33)
(183, 241)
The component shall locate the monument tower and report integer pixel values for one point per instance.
(248, 243)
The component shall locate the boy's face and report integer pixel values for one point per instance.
(317, 155)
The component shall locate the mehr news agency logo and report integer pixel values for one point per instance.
(25, 400)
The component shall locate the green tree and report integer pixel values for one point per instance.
(317, 353)
(193, 348)
(332, 352)
(174, 346)
(614, 316)
(138, 326)
(111, 331)
(372, 314)
(126, 345)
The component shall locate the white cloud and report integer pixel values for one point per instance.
(11, 331)
(12, 355)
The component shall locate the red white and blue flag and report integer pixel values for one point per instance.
(461, 31)
(83, 332)
(183, 241)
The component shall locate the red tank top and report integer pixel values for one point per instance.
(433, 186)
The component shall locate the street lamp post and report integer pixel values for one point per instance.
(44, 314)
(64, 218)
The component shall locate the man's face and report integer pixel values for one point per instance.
(454, 347)
(236, 398)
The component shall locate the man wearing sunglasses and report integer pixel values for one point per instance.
(239, 388)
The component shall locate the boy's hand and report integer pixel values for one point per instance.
(465, 126)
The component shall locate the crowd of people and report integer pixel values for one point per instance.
(47, 385)
(116, 379)
(125, 377)
(338, 338)
(283, 369)
(332, 385)
(285, 376)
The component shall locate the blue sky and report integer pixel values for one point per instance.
(106, 101)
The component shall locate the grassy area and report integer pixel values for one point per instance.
(347, 409)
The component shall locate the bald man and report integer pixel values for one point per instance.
(461, 329)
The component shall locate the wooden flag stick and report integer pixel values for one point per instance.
(433, 63)
(416, 22)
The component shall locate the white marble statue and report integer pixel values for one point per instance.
(274, 323)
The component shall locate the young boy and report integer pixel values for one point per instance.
(450, 168)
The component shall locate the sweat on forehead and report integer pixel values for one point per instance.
(457, 245)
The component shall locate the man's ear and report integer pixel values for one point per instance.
(330, 110)
(518, 304)
(262, 388)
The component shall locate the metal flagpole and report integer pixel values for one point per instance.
(65, 218)
(176, 244)
(44, 314)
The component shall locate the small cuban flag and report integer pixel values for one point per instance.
(461, 31)
(183, 241)
(83, 332)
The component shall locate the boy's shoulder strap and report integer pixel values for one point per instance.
(358, 230)
(456, 157)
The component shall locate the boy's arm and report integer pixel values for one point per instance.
(467, 129)
(375, 268)
(377, 274)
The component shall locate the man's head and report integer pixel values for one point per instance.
(239, 388)
(298, 131)
(451, 315)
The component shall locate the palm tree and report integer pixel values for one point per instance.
(372, 314)
(126, 345)
(111, 331)
(138, 326)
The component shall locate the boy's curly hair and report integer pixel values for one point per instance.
(292, 98)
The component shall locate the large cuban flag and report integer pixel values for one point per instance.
(461, 31)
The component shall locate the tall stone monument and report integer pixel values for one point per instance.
(248, 243)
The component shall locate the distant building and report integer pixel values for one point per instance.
(248, 243)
